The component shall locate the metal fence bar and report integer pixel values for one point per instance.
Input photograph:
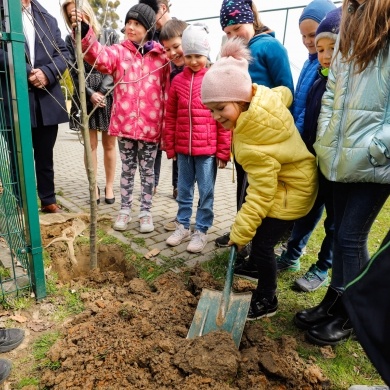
(29, 245)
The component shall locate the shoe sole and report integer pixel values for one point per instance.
(252, 278)
(307, 289)
(222, 245)
(120, 229)
(184, 239)
(323, 343)
(10, 347)
(289, 269)
(264, 315)
(147, 230)
(170, 229)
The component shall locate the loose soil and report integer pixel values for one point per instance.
(132, 335)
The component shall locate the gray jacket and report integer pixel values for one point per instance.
(353, 136)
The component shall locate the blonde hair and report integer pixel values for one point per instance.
(87, 10)
(362, 45)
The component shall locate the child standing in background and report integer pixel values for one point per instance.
(141, 68)
(270, 66)
(325, 41)
(195, 139)
(282, 173)
(309, 20)
(170, 38)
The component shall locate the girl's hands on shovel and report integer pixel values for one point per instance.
(239, 247)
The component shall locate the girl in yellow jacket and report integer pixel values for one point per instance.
(281, 172)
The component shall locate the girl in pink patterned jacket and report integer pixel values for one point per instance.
(141, 70)
(195, 139)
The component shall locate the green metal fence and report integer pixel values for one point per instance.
(21, 261)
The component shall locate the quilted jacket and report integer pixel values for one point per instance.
(306, 79)
(190, 128)
(281, 172)
(142, 82)
(353, 134)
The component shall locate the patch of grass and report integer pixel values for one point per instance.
(41, 347)
(149, 270)
(350, 364)
(4, 273)
(140, 241)
(71, 305)
(21, 302)
(27, 382)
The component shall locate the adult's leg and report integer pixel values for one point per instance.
(43, 140)
(356, 205)
(206, 174)
(109, 149)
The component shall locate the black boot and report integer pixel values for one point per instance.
(319, 314)
(335, 330)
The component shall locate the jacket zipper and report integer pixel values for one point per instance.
(189, 114)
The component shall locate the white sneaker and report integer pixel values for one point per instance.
(180, 234)
(146, 222)
(122, 220)
(198, 242)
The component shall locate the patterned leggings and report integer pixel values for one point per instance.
(142, 154)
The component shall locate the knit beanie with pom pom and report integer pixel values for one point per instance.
(228, 79)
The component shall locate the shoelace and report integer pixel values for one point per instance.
(145, 219)
(122, 218)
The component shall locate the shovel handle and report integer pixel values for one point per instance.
(229, 281)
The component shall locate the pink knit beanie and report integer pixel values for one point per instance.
(228, 79)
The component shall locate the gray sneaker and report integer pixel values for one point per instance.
(286, 264)
(198, 242)
(122, 220)
(313, 279)
(10, 339)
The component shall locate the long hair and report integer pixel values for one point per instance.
(257, 23)
(87, 10)
(364, 31)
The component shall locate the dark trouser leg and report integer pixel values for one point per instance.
(43, 140)
(157, 167)
(267, 236)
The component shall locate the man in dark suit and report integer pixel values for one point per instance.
(46, 61)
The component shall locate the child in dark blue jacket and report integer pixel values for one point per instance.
(317, 275)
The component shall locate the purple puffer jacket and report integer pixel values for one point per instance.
(141, 86)
(190, 128)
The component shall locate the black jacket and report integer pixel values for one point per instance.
(51, 57)
(368, 305)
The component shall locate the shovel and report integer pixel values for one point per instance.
(218, 310)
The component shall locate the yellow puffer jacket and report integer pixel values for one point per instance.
(281, 172)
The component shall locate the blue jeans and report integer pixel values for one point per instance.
(303, 227)
(356, 205)
(203, 170)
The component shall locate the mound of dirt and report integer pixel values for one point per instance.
(133, 336)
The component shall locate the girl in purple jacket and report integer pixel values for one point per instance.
(195, 139)
(140, 69)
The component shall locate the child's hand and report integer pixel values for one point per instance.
(221, 164)
(239, 247)
(76, 16)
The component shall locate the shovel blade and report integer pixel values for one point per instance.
(209, 316)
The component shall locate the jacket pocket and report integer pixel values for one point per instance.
(378, 153)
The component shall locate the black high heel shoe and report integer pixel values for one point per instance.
(108, 200)
(98, 199)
